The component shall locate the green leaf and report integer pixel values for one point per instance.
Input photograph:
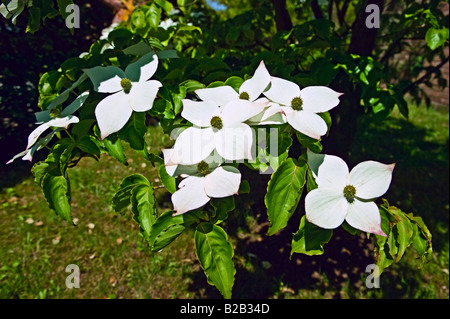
(168, 181)
(222, 206)
(56, 190)
(154, 16)
(165, 5)
(89, 145)
(167, 228)
(309, 239)
(309, 142)
(215, 254)
(283, 193)
(122, 199)
(436, 37)
(138, 19)
(192, 85)
(115, 148)
(133, 132)
(34, 20)
(143, 207)
(40, 169)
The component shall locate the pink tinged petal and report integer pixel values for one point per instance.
(192, 146)
(319, 99)
(307, 123)
(190, 195)
(282, 91)
(112, 113)
(257, 84)
(365, 216)
(33, 137)
(235, 143)
(28, 156)
(371, 179)
(220, 95)
(222, 182)
(63, 121)
(200, 113)
(325, 208)
(332, 171)
(142, 95)
(239, 111)
(143, 69)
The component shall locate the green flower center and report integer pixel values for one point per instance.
(244, 96)
(54, 113)
(216, 122)
(297, 103)
(126, 85)
(349, 193)
(203, 168)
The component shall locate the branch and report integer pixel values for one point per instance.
(426, 75)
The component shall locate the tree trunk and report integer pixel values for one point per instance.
(282, 18)
(346, 114)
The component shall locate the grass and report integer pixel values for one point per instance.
(115, 262)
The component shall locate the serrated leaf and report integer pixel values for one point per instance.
(215, 254)
(115, 148)
(309, 239)
(436, 37)
(122, 199)
(143, 207)
(283, 193)
(165, 230)
(56, 191)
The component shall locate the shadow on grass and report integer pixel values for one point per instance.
(420, 186)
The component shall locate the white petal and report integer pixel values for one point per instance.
(63, 121)
(112, 113)
(200, 113)
(307, 123)
(238, 111)
(111, 85)
(143, 69)
(222, 182)
(192, 146)
(371, 179)
(33, 137)
(365, 216)
(106, 79)
(170, 168)
(257, 84)
(142, 95)
(282, 91)
(190, 195)
(270, 115)
(332, 171)
(319, 99)
(325, 208)
(235, 143)
(220, 95)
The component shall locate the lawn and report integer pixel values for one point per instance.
(115, 261)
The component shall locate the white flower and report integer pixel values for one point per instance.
(346, 196)
(32, 146)
(250, 90)
(215, 128)
(301, 106)
(201, 182)
(132, 92)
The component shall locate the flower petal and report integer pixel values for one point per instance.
(106, 79)
(190, 195)
(325, 208)
(238, 111)
(199, 113)
(142, 95)
(257, 84)
(112, 113)
(220, 95)
(365, 216)
(307, 123)
(282, 91)
(371, 179)
(143, 69)
(319, 99)
(33, 137)
(330, 171)
(222, 182)
(235, 143)
(273, 114)
(192, 146)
